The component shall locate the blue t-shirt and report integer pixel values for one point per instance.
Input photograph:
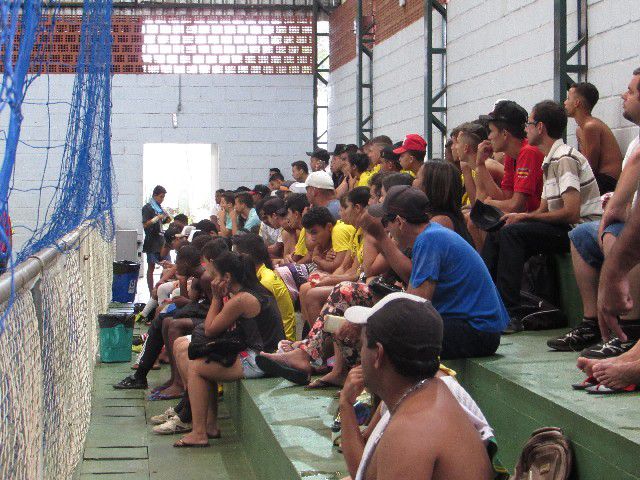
(252, 220)
(464, 289)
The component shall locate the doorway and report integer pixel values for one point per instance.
(189, 173)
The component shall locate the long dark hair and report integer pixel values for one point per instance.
(241, 267)
(252, 245)
(442, 184)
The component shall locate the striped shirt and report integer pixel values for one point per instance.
(564, 168)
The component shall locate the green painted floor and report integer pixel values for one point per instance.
(121, 446)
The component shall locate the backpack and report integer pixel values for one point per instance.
(538, 314)
(546, 456)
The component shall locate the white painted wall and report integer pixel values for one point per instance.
(257, 121)
(496, 49)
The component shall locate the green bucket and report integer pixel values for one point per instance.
(116, 335)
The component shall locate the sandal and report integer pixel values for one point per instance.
(599, 388)
(586, 383)
(182, 444)
(161, 396)
(276, 369)
(172, 426)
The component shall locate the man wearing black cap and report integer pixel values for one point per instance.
(444, 268)
(401, 341)
(319, 159)
(521, 185)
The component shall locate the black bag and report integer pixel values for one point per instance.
(540, 279)
(538, 314)
(380, 287)
(223, 350)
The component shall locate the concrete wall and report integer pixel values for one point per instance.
(257, 121)
(498, 49)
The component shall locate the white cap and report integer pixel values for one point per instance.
(359, 315)
(321, 180)
(299, 187)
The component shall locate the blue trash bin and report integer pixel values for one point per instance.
(125, 281)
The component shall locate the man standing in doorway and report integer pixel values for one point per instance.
(153, 216)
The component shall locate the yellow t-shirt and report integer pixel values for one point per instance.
(341, 236)
(410, 172)
(301, 246)
(365, 177)
(272, 282)
(465, 195)
(357, 246)
(340, 239)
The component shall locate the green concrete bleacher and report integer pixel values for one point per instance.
(284, 429)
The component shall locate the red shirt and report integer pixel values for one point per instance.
(525, 175)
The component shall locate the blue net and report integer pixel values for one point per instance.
(73, 180)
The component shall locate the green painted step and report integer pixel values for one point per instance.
(285, 429)
(527, 386)
(121, 446)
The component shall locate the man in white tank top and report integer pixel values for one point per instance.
(425, 431)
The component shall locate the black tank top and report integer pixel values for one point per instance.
(260, 333)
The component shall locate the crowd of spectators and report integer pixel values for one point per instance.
(380, 252)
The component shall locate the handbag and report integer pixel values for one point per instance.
(223, 350)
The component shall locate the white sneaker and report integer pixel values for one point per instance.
(163, 417)
(171, 426)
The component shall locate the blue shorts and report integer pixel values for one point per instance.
(153, 257)
(249, 367)
(585, 240)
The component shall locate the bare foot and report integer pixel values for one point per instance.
(298, 359)
(330, 379)
(617, 374)
(587, 364)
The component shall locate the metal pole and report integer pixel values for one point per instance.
(359, 45)
(314, 53)
(28, 270)
(560, 50)
(428, 76)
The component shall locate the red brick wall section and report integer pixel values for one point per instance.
(389, 16)
(342, 41)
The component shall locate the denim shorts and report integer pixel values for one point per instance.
(153, 257)
(585, 240)
(249, 367)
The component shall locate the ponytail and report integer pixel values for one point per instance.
(241, 268)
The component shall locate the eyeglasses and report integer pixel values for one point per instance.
(532, 124)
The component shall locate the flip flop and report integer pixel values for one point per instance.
(159, 389)
(161, 396)
(275, 369)
(599, 388)
(321, 385)
(586, 383)
(182, 444)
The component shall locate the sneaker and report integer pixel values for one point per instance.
(131, 383)
(612, 348)
(515, 326)
(171, 426)
(163, 417)
(584, 335)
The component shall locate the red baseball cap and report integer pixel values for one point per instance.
(414, 142)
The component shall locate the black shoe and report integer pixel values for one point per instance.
(131, 383)
(515, 326)
(584, 335)
(612, 348)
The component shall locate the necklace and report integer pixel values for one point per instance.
(408, 391)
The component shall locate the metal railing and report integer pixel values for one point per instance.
(48, 352)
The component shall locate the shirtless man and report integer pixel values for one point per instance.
(428, 435)
(595, 139)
